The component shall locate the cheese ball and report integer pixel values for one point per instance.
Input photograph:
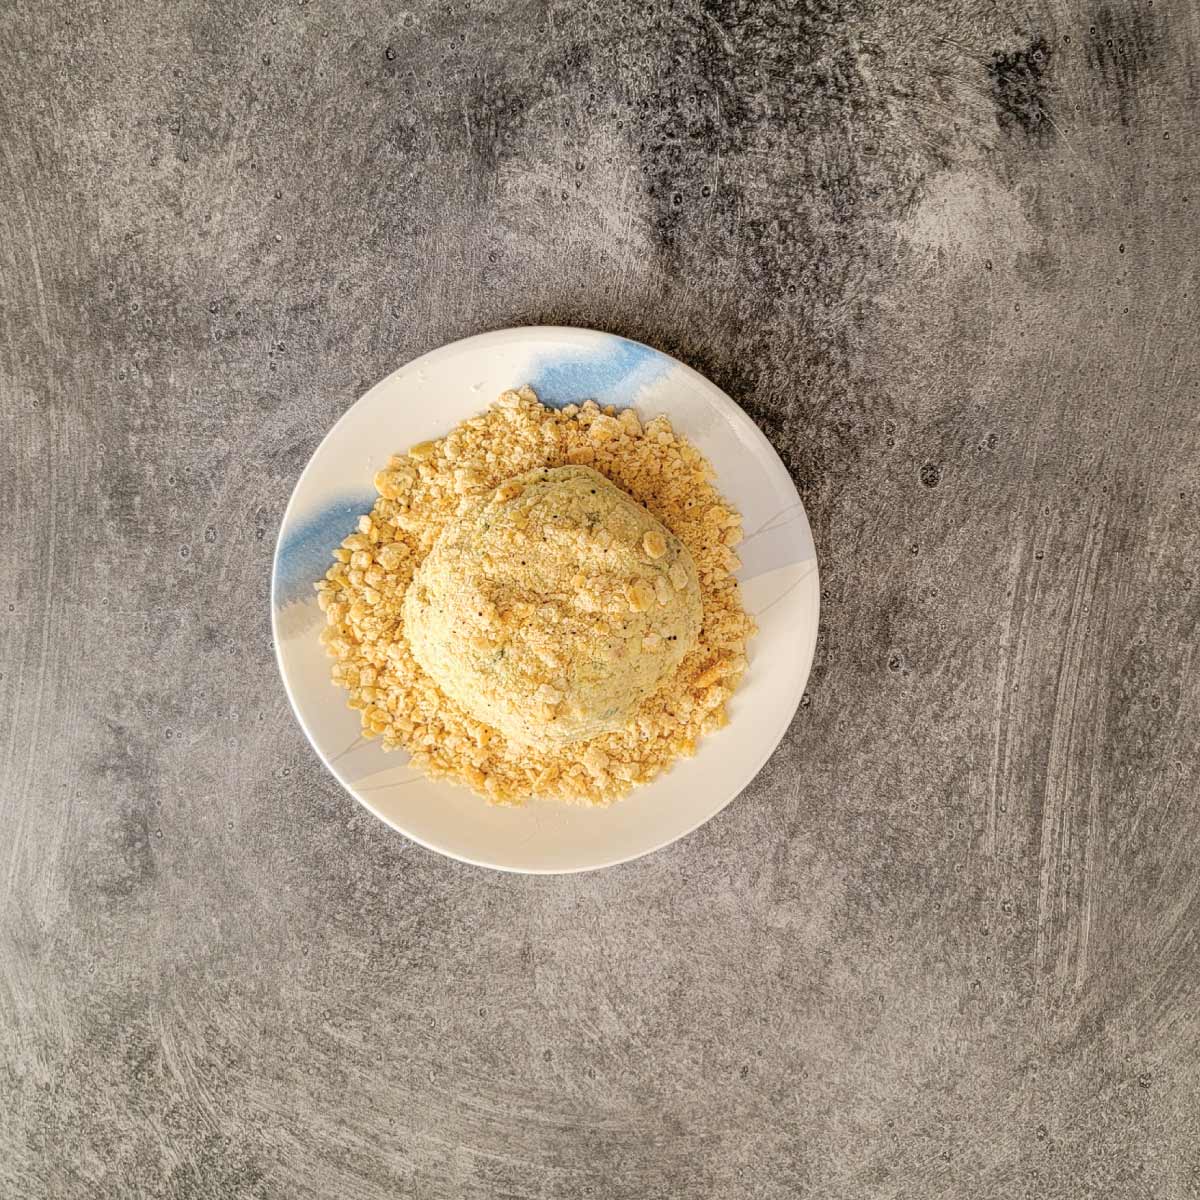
(553, 607)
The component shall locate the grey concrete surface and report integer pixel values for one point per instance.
(945, 254)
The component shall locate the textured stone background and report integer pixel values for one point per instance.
(945, 254)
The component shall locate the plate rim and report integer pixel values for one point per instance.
(738, 415)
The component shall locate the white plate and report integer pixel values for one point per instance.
(779, 583)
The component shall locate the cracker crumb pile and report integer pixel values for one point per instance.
(362, 596)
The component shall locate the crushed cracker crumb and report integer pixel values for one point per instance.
(362, 596)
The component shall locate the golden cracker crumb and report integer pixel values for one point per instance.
(362, 597)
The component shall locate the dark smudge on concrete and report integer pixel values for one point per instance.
(1021, 89)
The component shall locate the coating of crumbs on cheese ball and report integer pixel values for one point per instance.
(421, 492)
(553, 607)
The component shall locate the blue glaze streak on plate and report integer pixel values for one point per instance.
(306, 554)
(611, 374)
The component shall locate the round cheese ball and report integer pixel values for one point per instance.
(553, 607)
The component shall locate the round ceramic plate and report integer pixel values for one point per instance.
(425, 400)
